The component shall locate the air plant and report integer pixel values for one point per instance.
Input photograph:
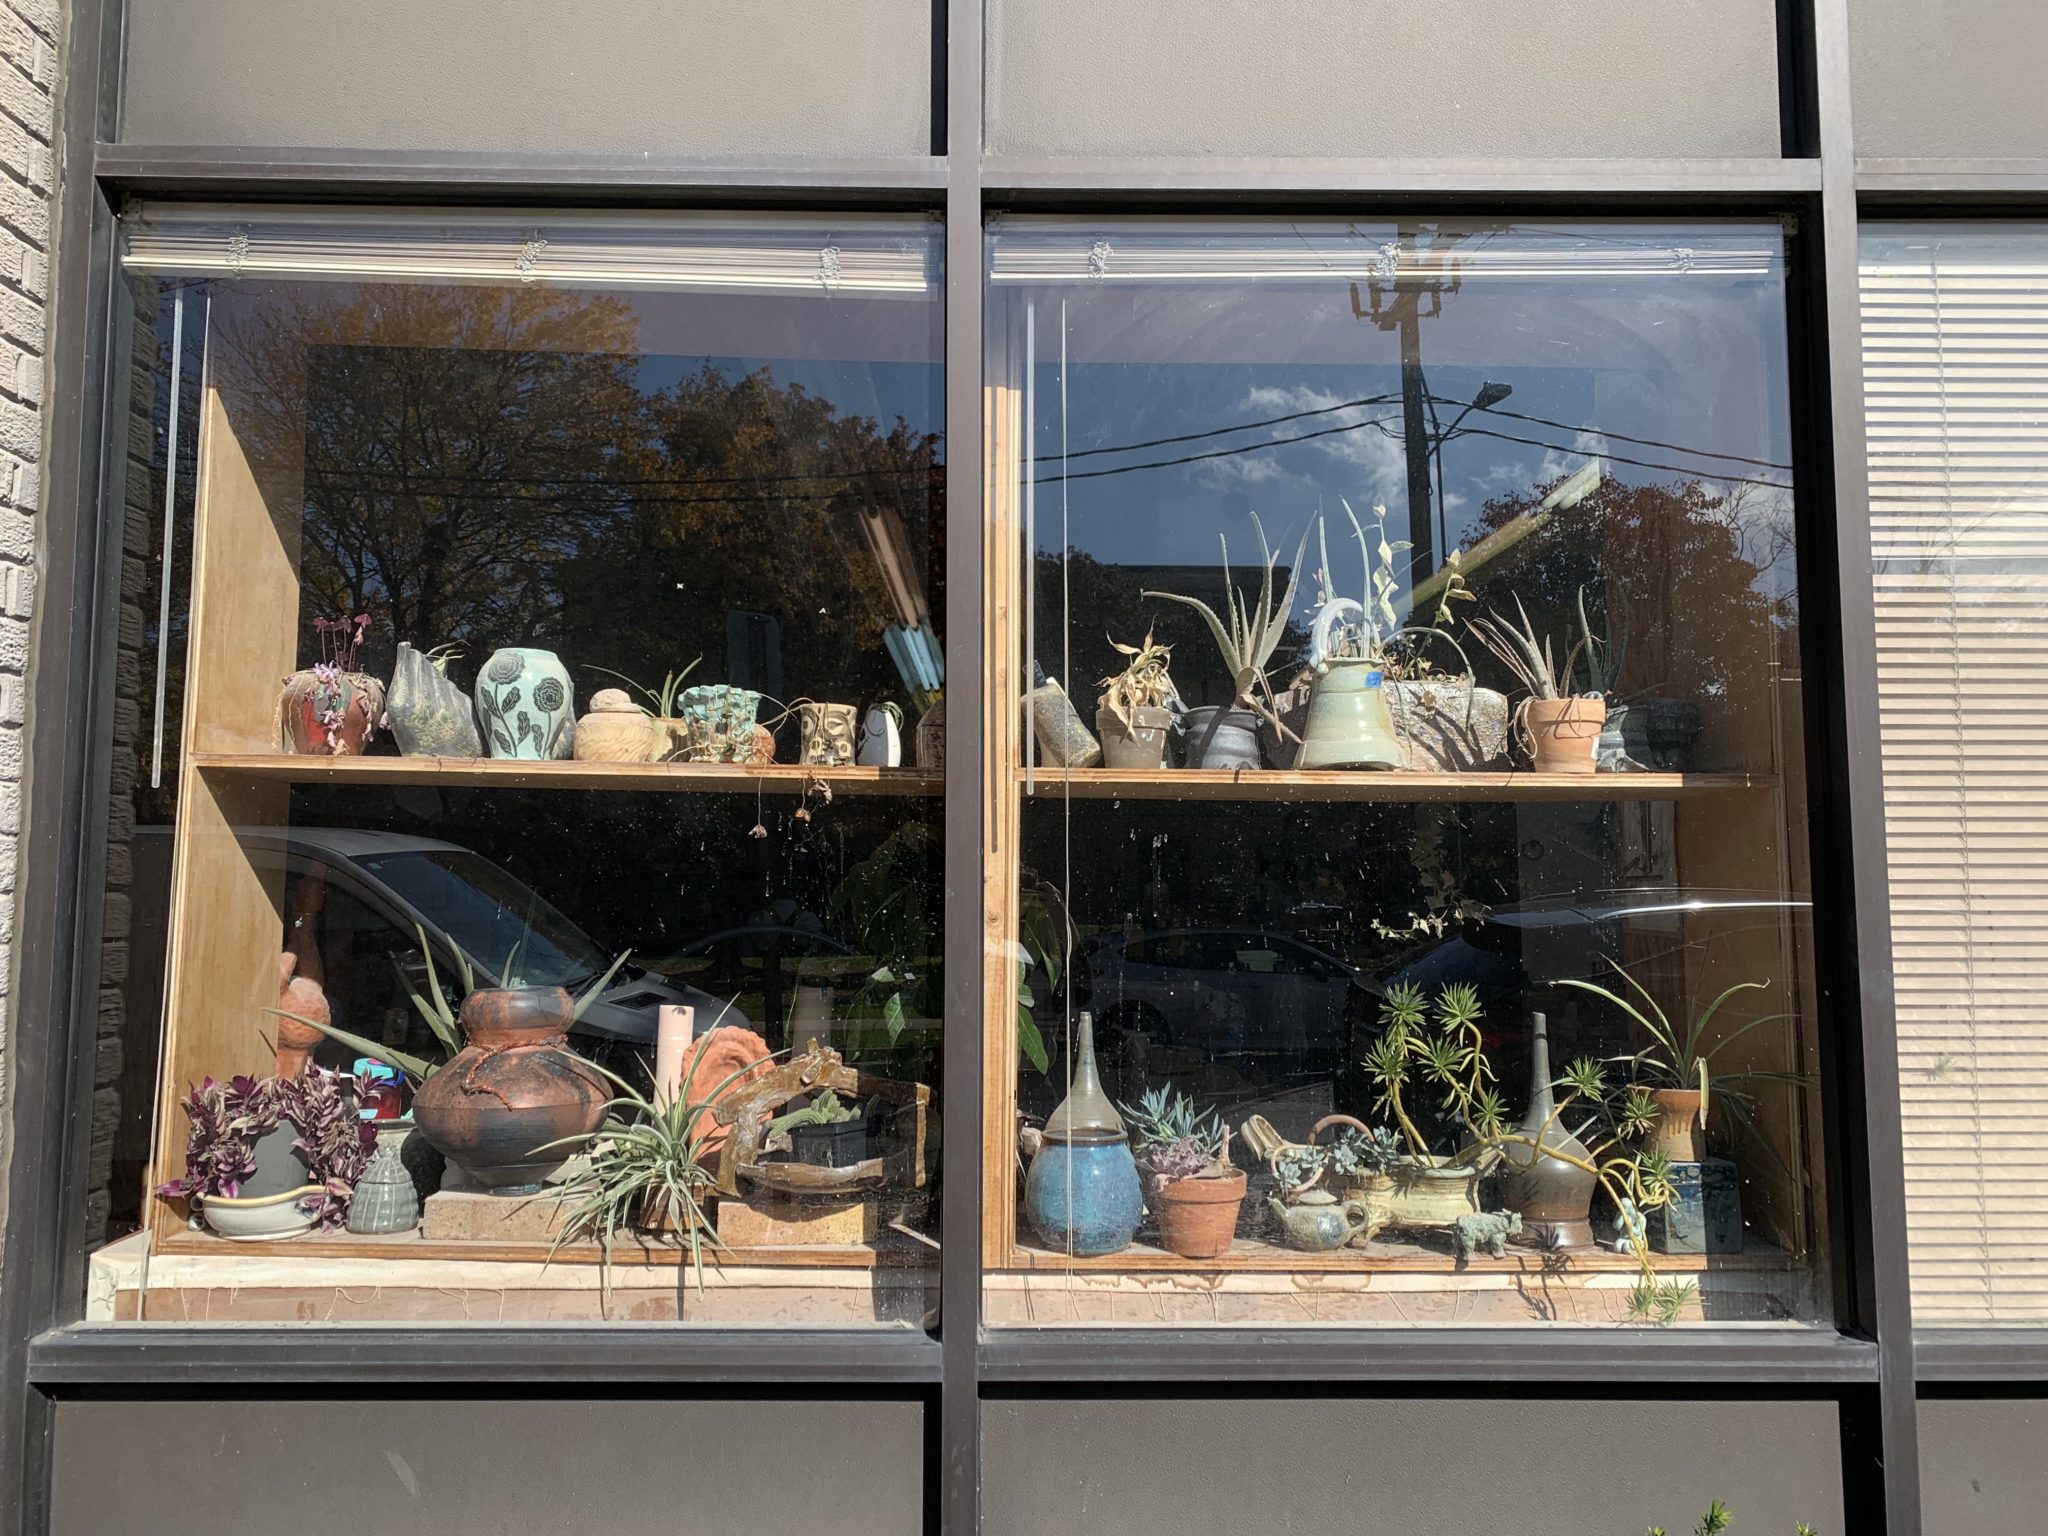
(662, 702)
(1143, 683)
(1247, 643)
(1529, 659)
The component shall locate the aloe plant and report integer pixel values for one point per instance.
(1248, 641)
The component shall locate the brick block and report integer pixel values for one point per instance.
(17, 590)
(25, 101)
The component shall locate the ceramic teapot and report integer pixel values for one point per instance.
(1320, 1226)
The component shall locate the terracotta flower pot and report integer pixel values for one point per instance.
(328, 713)
(513, 1091)
(1560, 734)
(1198, 1217)
(1677, 1134)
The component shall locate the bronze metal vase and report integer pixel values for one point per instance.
(1554, 1197)
(513, 1093)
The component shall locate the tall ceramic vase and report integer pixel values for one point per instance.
(503, 1107)
(429, 715)
(526, 704)
(1554, 1197)
(1082, 1195)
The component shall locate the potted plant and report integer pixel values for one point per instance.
(626, 732)
(827, 1132)
(1557, 727)
(1184, 1168)
(331, 709)
(272, 1157)
(1676, 1071)
(1134, 715)
(1641, 734)
(1226, 736)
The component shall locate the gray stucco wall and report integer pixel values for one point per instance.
(1422, 1467)
(1941, 78)
(1982, 1471)
(1334, 77)
(637, 1467)
(668, 77)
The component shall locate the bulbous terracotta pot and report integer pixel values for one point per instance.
(514, 1089)
(1677, 1131)
(1198, 1217)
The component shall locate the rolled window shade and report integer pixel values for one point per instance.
(657, 250)
(1024, 250)
(1955, 357)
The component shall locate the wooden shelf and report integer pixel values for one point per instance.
(1386, 785)
(1393, 1256)
(510, 773)
(892, 1252)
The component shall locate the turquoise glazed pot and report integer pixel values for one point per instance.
(1082, 1196)
(526, 705)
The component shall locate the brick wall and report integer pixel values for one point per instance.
(30, 35)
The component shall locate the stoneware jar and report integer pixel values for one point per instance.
(1554, 1197)
(715, 723)
(526, 705)
(385, 1198)
(615, 731)
(1082, 1195)
(428, 714)
(1223, 738)
(515, 1091)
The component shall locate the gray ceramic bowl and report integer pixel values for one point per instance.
(267, 1219)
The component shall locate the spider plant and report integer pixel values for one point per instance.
(440, 1015)
(1247, 643)
(647, 1166)
(662, 702)
(1528, 658)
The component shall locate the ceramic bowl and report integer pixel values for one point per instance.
(267, 1219)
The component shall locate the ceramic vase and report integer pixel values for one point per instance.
(1677, 1133)
(526, 704)
(1081, 1195)
(1560, 734)
(1139, 746)
(428, 714)
(615, 731)
(503, 1108)
(385, 1198)
(881, 738)
(1554, 1197)
(1222, 738)
(325, 712)
(1648, 736)
(714, 723)
(1349, 724)
(825, 733)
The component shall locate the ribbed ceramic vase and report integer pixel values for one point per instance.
(1081, 1195)
(385, 1198)
(526, 705)
(1555, 1198)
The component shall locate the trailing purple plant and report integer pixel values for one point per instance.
(229, 1119)
(335, 1141)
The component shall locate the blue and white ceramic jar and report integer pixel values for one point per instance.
(526, 705)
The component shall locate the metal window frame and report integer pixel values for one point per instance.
(1872, 1366)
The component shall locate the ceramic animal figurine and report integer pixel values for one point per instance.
(1489, 1230)
(826, 735)
(298, 998)
(526, 704)
(1320, 1226)
(428, 714)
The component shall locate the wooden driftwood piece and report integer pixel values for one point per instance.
(818, 1068)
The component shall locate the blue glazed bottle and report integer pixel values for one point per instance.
(1081, 1195)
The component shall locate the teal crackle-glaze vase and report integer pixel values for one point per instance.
(1081, 1195)
(526, 705)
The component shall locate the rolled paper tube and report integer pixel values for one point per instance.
(674, 1026)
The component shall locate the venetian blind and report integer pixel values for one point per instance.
(1955, 345)
(659, 250)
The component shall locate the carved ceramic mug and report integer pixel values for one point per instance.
(826, 733)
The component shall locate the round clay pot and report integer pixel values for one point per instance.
(513, 1092)
(1222, 738)
(615, 731)
(1560, 734)
(1198, 1217)
(1677, 1133)
(355, 696)
(1142, 750)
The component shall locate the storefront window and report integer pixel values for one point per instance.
(1957, 403)
(1400, 871)
(530, 698)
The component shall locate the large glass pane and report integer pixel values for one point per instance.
(1956, 389)
(527, 809)
(1401, 868)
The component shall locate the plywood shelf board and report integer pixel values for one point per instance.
(1393, 786)
(890, 1253)
(1394, 1257)
(509, 773)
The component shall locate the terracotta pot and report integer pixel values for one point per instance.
(1677, 1133)
(1142, 749)
(1560, 734)
(1198, 1217)
(355, 697)
(512, 1092)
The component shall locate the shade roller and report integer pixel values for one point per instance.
(1024, 251)
(661, 250)
(1955, 349)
